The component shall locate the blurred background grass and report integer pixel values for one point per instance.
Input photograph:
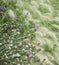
(45, 14)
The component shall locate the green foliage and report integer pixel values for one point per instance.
(16, 35)
(29, 32)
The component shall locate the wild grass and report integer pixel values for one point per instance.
(31, 25)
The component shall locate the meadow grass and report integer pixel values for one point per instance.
(29, 32)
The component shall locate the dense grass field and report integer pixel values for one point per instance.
(29, 32)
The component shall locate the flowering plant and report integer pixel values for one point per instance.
(29, 32)
(17, 34)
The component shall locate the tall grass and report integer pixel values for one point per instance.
(29, 32)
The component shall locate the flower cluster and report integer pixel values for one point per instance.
(2, 8)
